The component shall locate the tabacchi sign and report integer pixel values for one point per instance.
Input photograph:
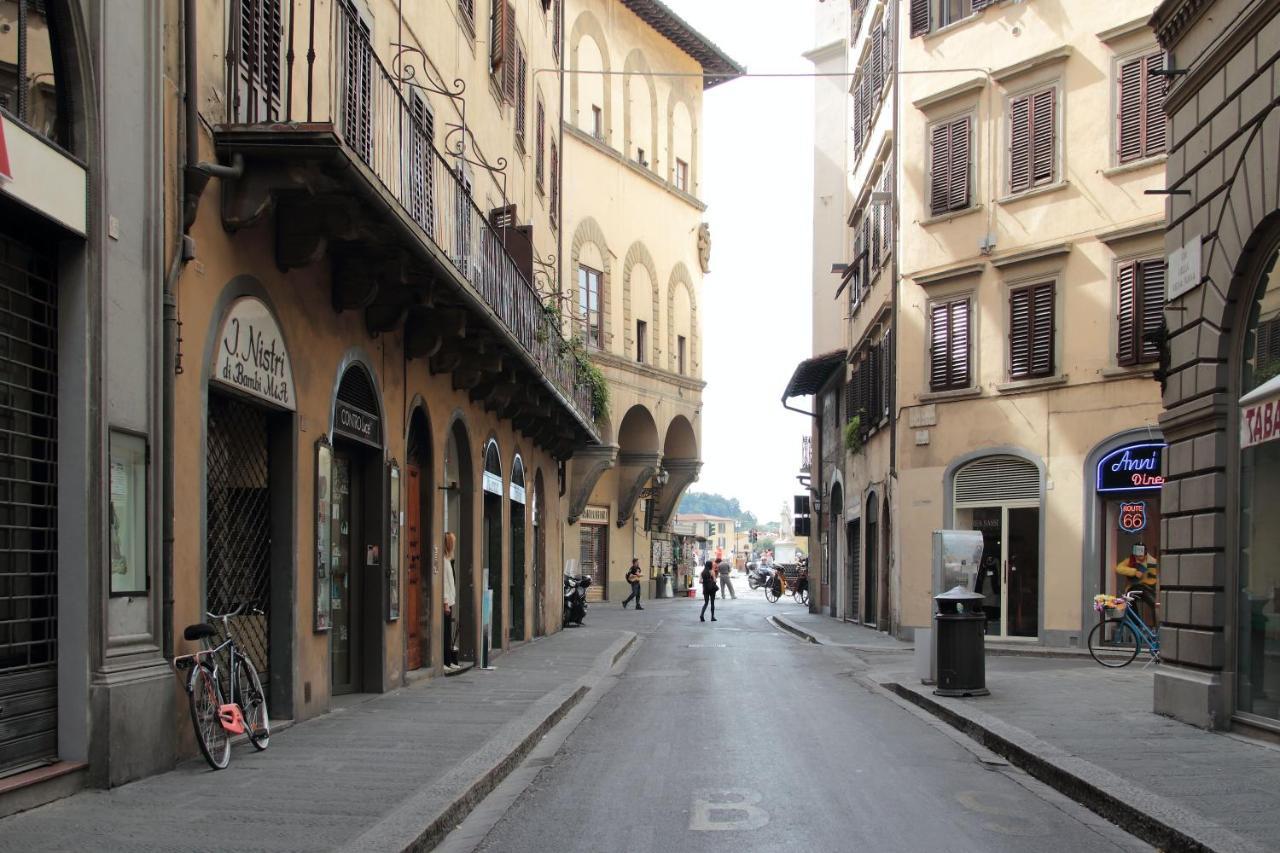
(1260, 414)
(251, 356)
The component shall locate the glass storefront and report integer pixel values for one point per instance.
(1258, 615)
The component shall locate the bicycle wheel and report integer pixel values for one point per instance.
(205, 697)
(1112, 643)
(253, 701)
(770, 594)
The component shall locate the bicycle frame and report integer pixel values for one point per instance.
(1135, 623)
(230, 713)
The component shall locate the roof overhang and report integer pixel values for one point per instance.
(717, 66)
(812, 373)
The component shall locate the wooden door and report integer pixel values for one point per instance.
(413, 602)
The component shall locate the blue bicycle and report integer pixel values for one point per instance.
(1116, 640)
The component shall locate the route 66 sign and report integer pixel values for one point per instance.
(1133, 516)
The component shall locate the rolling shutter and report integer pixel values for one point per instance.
(997, 479)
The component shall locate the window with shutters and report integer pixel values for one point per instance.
(555, 29)
(589, 322)
(539, 145)
(930, 15)
(1033, 140)
(555, 184)
(951, 165)
(522, 96)
(356, 83)
(258, 93)
(1140, 120)
(502, 49)
(1031, 331)
(1140, 289)
(467, 11)
(950, 344)
(421, 164)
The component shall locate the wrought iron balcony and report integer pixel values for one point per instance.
(344, 152)
(806, 454)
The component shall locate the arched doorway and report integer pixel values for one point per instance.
(517, 531)
(1000, 496)
(834, 564)
(358, 494)
(418, 575)
(539, 559)
(871, 596)
(492, 544)
(459, 509)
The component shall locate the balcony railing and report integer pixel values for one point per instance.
(309, 63)
(806, 454)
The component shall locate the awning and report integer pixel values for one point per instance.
(812, 373)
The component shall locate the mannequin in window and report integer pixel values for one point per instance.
(450, 601)
(1141, 571)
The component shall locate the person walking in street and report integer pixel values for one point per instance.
(633, 578)
(708, 592)
(450, 601)
(725, 583)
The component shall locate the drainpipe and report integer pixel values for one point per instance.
(891, 491)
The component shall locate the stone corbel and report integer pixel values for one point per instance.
(682, 474)
(589, 464)
(634, 470)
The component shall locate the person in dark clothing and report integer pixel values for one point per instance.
(633, 578)
(709, 589)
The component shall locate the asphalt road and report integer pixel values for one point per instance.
(735, 736)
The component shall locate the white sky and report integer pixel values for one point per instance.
(757, 177)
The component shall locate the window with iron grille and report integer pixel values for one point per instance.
(951, 165)
(949, 345)
(1140, 289)
(1031, 331)
(522, 96)
(1033, 140)
(1140, 121)
(31, 70)
(589, 319)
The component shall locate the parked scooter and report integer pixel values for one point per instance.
(760, 576)
(575, 599)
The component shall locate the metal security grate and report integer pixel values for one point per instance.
(997, 479)
(238, 551)
(28, 504)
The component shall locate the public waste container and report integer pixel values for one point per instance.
(960, 635)
(664, 586)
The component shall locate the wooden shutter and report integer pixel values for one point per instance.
(468, 10)
(961, 145)
(1043, 137)
(1130, 112)
(509, 54)
(886, 186)
(555, 28)
(497, 32)
(877, 59)
(261, 31)
(522, 88)
(886, 360)
(939, 169)
(877, 229)
(1153, 119)
(1127, 304)
(949, 345)
(1150, 286)
(555, 182)
(919, 17)
(979, 5)
(1031, 322)
(539, 144)
(891, 40)
(1019, 144)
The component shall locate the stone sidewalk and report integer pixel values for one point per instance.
(404, 766)
(1090, 732)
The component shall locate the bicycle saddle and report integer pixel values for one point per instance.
(199, 632)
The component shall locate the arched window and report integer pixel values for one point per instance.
(31, 69)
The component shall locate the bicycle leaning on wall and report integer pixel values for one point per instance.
(223, 703)
(1116, 640)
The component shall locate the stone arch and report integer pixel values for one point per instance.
(680, 277)
(636, 63)
(638, 432)
(588, 25)
(590, 232)
(680, 441)
(639, 254)
(680, 95)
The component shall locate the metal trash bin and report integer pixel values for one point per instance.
(960, 626)
(664, 586)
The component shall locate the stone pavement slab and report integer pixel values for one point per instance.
(1090, 732)
(440, 744)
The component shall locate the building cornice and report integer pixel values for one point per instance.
(1057, 54)
(1173, 18)
(1031, 255)
(1114, 34)
(1144, 229)
(949, 274)
(626, 365)
(825, 51)
(973, 85)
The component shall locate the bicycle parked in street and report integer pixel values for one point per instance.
(218, 714)
(1116, 640)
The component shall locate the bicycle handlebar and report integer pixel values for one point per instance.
(240, 610)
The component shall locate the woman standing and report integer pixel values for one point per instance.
(709, 588)
(450, 601)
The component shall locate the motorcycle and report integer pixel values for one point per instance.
(575, 599)
(760, 576)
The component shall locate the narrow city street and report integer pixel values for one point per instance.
(710, 741)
